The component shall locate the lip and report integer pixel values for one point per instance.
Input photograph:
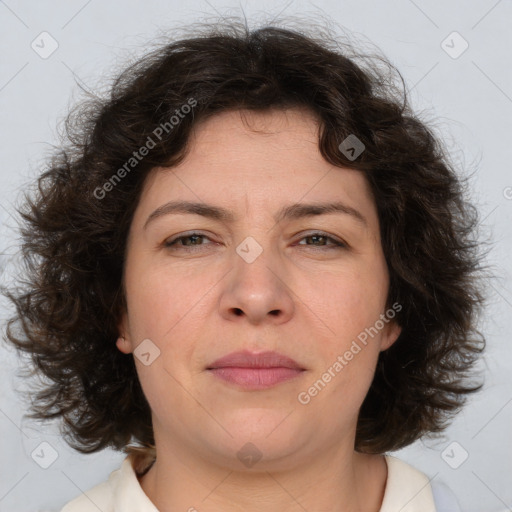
(247, 359)
(255, 371)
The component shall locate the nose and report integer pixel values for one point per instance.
(257, 291)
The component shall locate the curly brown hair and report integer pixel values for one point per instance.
(74, 238)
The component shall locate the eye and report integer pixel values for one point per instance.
(191, 241)
(186, 242)
(323, 240)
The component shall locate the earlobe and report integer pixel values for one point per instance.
(390, 336)
(123, 345)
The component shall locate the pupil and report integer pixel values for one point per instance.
(192, 237)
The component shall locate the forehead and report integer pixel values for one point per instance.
(262, 160)
(274, 125)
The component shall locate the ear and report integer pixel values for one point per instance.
(390, 335)
(123, 341)
(124, 345)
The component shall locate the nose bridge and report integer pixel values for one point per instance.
(256, 287)
(255, 262)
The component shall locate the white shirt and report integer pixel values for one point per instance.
(407, 490)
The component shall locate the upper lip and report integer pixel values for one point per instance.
(247, 359)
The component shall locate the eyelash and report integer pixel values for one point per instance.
(335, 244)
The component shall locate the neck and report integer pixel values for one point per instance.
(183, 481)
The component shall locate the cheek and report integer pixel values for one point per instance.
(353, 301)
(352, 304)
(160, 298)
(163, 307)
(169, 308)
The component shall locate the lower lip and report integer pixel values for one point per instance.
(255, 378)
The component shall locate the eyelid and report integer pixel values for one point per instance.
(172, 239)
(335, 242)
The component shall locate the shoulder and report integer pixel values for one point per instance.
(410, 490)
(97, 498)
(121, 491)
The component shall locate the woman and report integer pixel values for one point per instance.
(256, 275)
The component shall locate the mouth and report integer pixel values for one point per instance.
(255, 371)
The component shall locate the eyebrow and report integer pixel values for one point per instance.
(290, 212)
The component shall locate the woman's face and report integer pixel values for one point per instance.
(262, 276)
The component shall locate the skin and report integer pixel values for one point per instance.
(302, 296)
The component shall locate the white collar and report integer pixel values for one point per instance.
(407, 490)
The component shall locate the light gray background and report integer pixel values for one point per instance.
(469, 99)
